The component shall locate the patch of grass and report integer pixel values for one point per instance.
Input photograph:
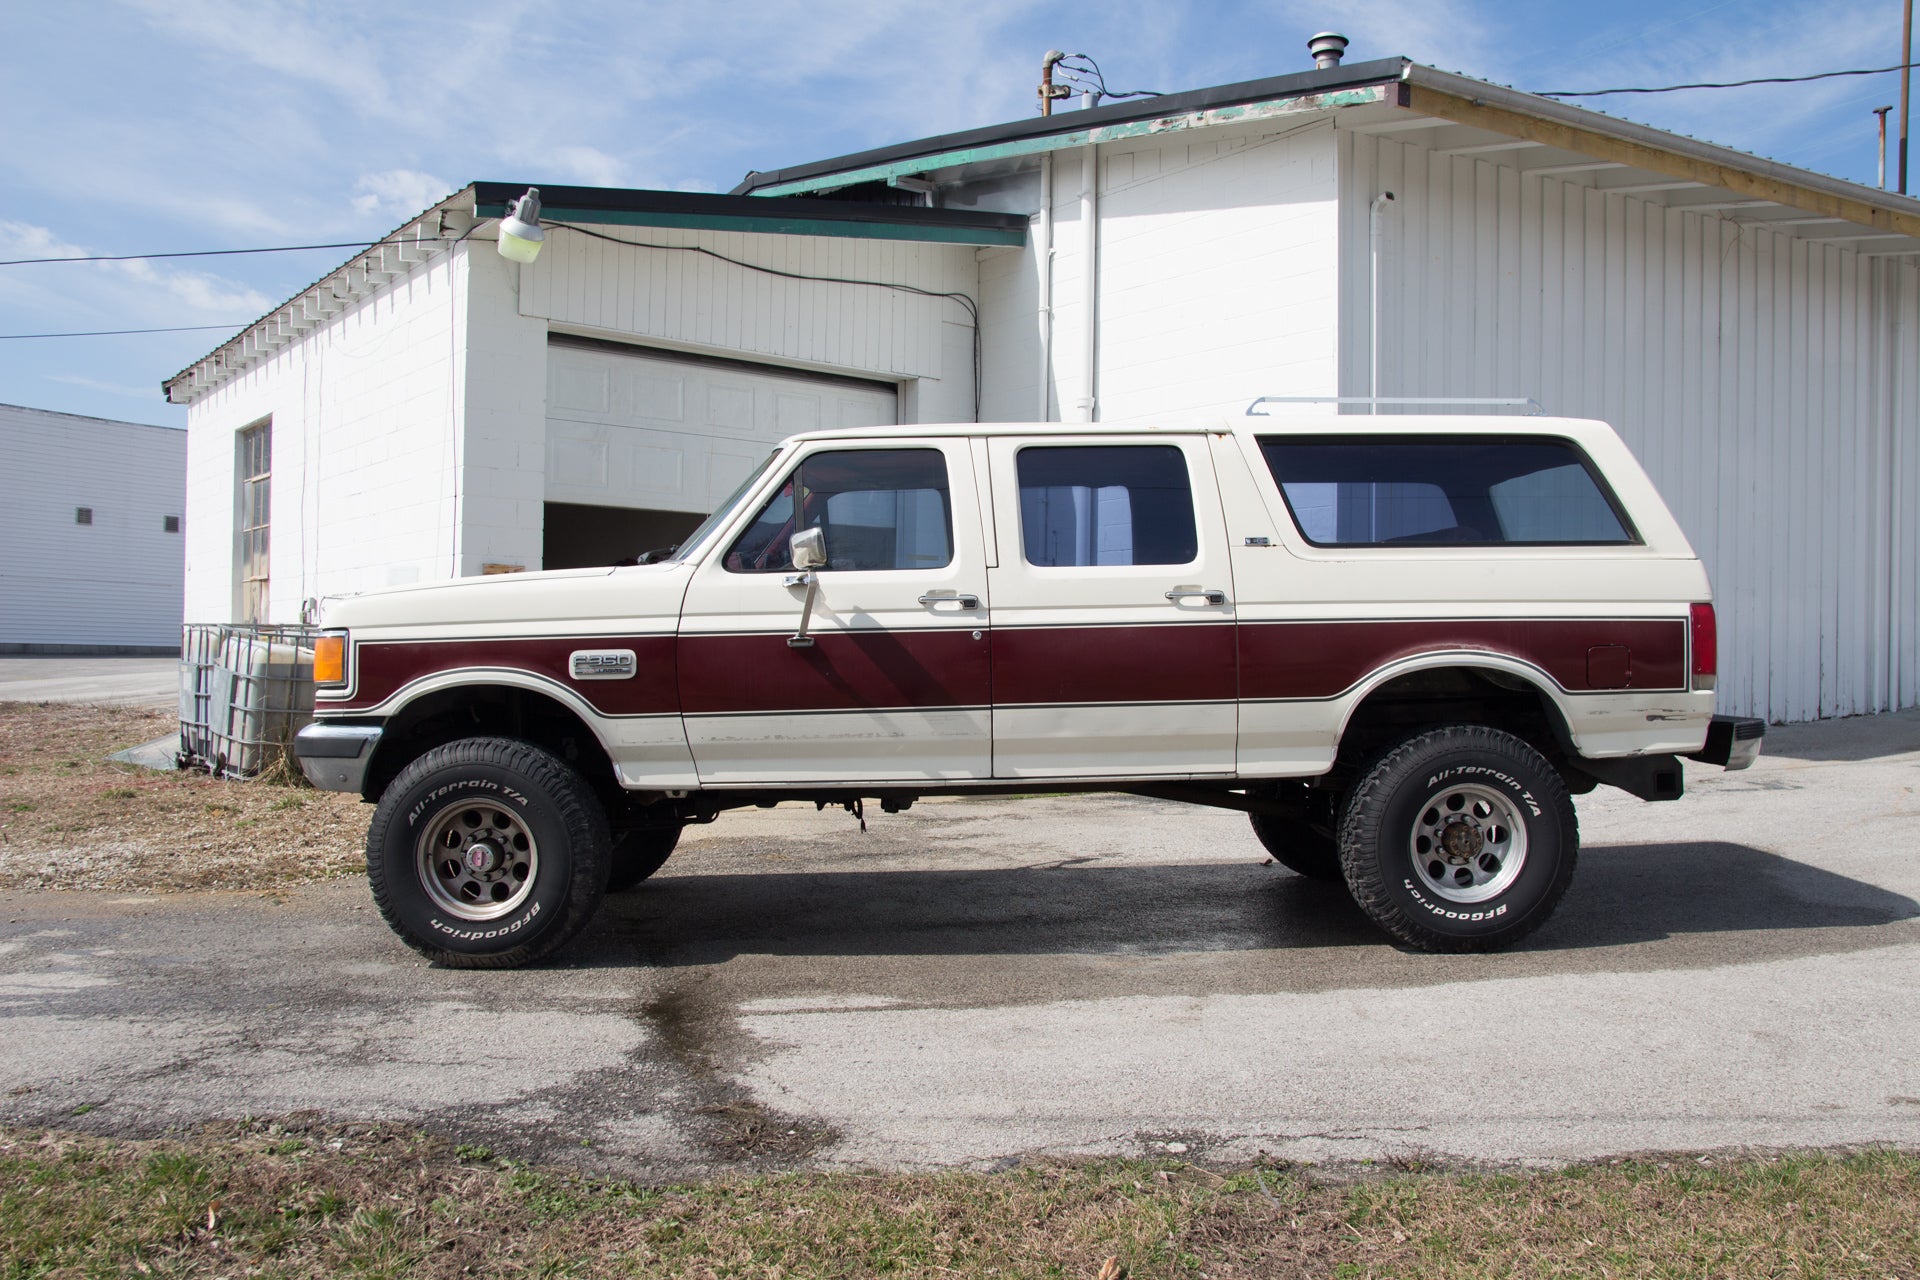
(374, 1200)
(71, 818)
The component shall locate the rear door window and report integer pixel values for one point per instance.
(1087, 505)
(1369, 491)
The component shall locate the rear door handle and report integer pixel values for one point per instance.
(1212, 595)
(964, 601)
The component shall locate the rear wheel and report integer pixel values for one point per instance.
(1459, 839)
(638, 854)
(487, 853)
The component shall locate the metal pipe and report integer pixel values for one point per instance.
(1375, 233)
(1906, 80)
(1043, 259)
(1049, 91)
(1090, 278)
(1882, 113)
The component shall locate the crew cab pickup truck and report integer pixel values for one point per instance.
(1400, 645)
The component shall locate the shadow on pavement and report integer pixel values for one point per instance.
(1706, 903)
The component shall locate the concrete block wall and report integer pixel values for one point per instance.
(668, 298)
(114, 583)
(365, 452)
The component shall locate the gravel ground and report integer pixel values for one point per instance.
(72, 819)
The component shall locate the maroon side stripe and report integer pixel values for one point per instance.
(1321, 659)
(1167, 663)
(383, 668)
(841, 671)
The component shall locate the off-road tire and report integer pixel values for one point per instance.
(1402, 799)
(501, 791)
(1298, 847)
(638, 854)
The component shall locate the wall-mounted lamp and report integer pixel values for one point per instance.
(520, 233)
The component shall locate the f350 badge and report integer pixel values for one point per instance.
(603, 664)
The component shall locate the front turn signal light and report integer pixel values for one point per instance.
(330, 659)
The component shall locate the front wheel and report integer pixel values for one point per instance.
(1459, 839)
(487, 853)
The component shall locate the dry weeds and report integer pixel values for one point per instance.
(72, 819)
(300, 1198)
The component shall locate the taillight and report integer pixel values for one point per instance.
(1706, 641)
(330, 658)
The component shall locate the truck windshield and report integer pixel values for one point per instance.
(691, 543)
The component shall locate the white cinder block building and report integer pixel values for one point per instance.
(1752, 329)
(91, 514)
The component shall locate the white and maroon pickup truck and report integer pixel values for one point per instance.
(1399, 644)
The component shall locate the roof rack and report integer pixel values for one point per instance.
(1532, 406)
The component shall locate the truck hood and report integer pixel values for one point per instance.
(636, 598)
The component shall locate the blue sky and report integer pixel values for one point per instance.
(152, 125)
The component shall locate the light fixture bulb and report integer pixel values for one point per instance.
(520, 233)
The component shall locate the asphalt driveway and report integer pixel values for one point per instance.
(973, 982)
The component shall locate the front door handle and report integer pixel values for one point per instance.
(964, 601)
(1212, 595)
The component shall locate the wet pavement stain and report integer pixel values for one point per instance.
(700, 1035)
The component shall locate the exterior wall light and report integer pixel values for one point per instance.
(520, 233)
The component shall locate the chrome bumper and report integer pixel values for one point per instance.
(1732, 742)
(335, 756)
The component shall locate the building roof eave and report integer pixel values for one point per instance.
(1464, 100)
(1072, 128)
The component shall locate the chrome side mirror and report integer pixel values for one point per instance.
(808, 549)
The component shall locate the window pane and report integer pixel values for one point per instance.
(1357, 491)
(879, 509)
(1106, 505)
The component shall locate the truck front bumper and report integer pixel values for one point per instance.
(1732, 742)
(335, 756)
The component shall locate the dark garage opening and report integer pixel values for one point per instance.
(579, 536)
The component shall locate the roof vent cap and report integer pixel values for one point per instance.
(1327, 49)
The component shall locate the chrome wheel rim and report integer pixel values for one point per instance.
(1469, 843)
(477, 861)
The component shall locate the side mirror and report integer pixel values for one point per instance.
(808, 548)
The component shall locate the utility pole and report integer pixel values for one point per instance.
(1906, 79)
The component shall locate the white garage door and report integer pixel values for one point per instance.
(626, 429)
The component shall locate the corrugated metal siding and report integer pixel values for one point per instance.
(117, 581)
(1766, 383)
(693, 301)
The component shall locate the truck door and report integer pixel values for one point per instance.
(891, 681)
(1113, 617)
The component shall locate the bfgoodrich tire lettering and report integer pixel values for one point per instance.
(1459, 839)
(487, 853)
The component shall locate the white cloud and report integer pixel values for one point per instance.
(398, 193)
(107, 388)
(137, 289)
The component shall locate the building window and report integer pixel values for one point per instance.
(254, 502)
(83, 515)
(171, 524)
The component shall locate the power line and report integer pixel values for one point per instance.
(1727, 84)
(194, 253)
(114, 333)
(964, 299)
